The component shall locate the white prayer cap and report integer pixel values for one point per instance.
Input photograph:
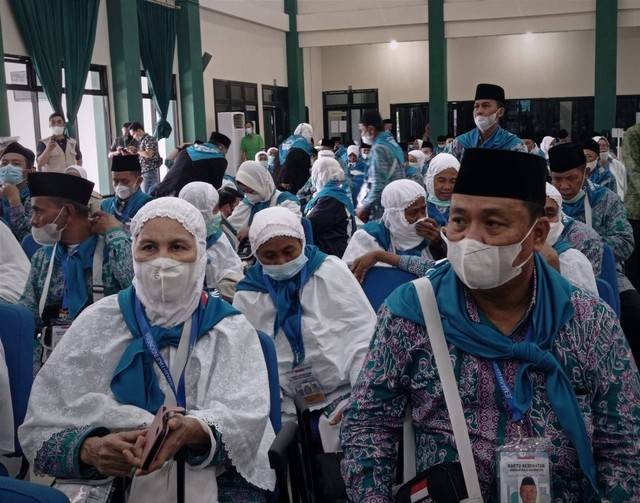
(353, 149)
(326, 154)
(419, 156)
(437, 165)
(203, 196)
(255, 176)
(257, 156)
(174, 208)
(76, 170)
(554, 194)
(546, 142)
(305, 130)
(401, 194)
(274, 222)
(324, 170)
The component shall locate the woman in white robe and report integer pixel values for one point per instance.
(14, 266)
(574, 266)
(100, 388)
(259, 193)
(224, 267)
(311, 304)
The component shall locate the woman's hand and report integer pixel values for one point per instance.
(182, 431)
(106, 453)
(429, 229)
(362, 264)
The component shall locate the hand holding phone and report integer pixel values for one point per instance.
(157, 434)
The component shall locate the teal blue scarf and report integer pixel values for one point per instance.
(551, 311)
(335, 190)
(500, 139)
(134, 381)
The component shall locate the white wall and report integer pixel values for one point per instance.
(241, 51)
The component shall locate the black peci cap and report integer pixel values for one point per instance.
(61, 185)
(489, 92)
(566, 156)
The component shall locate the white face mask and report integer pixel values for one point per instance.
(248, 130)
(481, 266)
(413, 164)
(272, 159)
(554, 232)
(365, 155)
(592, 165)
(403, 233)
(264, 163)
(57, 130)
(485, 123)
(253, 198)
(367, 138)
(48, 234)
(604, 156)
(287, 270)
(164, 280)
(123, 191)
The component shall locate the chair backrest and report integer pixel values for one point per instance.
(606, 294)
(17, 328)
(271, 358)
(379, 282)
(20, 491)
(29, 246)
(308, 230)
(609, 273)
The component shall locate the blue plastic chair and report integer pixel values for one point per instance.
(29, 246)
(17, 328)
(308, 230)
(609, 274)
(20, 491)
(379, 282)
(271, 358)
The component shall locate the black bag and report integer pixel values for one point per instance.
(443, 483)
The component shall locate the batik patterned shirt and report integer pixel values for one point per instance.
(400, 370)
(584, 239)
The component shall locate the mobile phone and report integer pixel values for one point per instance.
(157, 434)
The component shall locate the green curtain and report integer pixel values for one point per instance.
(79, 36)
(157, 43)
(57, 34)
(39, 23)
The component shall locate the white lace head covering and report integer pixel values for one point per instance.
(257, 156)
(397, 197)
(554, 194)
(324, 170)
(545, 144)
(74, 169)
(255, 176)
(169, 314)
(419, 156)
(273, 222)
(353, 149)
(305, 130)
(203, 196)
(437, 165)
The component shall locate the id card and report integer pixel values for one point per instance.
(304, 383)
(51, 336)
(524, 471)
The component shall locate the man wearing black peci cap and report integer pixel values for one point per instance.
(126, 177)
(523, 341)
(81, 259)
(488, 109)
(15, 201)
(200, 162)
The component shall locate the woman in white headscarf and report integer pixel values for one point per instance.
(224, 267)
(330, 210)
(618, 170)
(574, 266)
(415, 167)
(295, 159)
(259, 193)
(546, 143)
(397, 237)
(313, 307)
(103, 383)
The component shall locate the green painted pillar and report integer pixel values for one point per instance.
(124, 44)
(5, 128)
(194, 123)
(295, 70)
(438, 109)
(604, 114)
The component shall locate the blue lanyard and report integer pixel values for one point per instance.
(149, 341)
(516, 414)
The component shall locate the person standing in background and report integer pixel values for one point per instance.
(150, 160)
(122, 143)
(58, 151)
(251, 143)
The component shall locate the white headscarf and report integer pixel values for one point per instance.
(419, 156)
(305, 130)
(203, 196)
(327, 154)
(324, 170)
(397, 197)
(353, 149)
(170, 314)
(273, 222)
(79, 171)
(545, 144)
(437, 165)
(554, 194)
(255, 176)
(257, 156)
(14, 266)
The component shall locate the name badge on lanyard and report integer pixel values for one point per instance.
(150, 343)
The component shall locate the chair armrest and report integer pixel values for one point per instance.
(278, 452)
